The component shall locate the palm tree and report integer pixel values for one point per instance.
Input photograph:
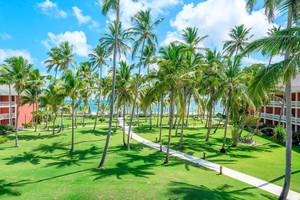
(33, 91)
(97, 59)
(123, 90)
(112, 43)
(60, 58)
(72, 86)
(235, 93)
(239, 39)
(170, 66)
(292, 9)
(54, 96)
(144, 31)
(18, 69)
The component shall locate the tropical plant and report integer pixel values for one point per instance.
(17, 68)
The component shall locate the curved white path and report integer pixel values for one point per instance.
(256, 182)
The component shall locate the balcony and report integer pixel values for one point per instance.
(4, 104)
(295, 104)
(6, 116)
(295, 120)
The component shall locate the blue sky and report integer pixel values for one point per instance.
(31, 27)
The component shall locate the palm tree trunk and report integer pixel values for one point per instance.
(135, 101)
(157, 119)
(160, 121)
(75, 118)
(171, 116)
(181, 132)
(289, 138)
(73, 135)
(36, 115)
(112, 98)
(209, 124)
(222, 150)
(150, 116)
(61, 119)
(138, 116)
(188, 111)
(124, 123)
(17, 119)
(97, 113)
(53, 123)
(10, 107)
(83, 119)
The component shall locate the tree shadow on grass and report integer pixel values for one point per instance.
(45, 148)
(101, 131)
(23, 158)
(8, 188)
(180, 190)
(29, 137)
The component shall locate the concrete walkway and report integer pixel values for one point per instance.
(256, 182)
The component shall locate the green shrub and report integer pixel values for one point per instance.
(28, 125)
(3, 139)
(6, 129)
(279, 134)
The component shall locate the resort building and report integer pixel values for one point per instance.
(275, 111)
(25, 111)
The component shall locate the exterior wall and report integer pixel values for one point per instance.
(25, 111)
(25, 114)
(270, 113)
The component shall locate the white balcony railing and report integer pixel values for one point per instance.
(6, 104)
(295, 120)
(295, 104)
(6, 116)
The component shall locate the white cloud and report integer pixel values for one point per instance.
(129, 8)
(76, 38)
(5, 36)
(50, 8)
(84, 19)
(216, 18)
(7, 53)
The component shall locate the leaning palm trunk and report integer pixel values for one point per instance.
(135, 101)
(157, 119)
(73, 134)
(17, 120)
(171, 116)
(61, 120)
(181, 132)
(112, 98)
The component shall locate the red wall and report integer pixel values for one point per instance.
(25, 114)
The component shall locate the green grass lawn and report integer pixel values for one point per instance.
(265, 160)
(41, 168)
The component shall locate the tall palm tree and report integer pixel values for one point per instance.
(18, 69)
(170, 66)
(112, 44)
(53, 61)
(144, 31)
(239, 38)
(97, 59)
(123, 90)
(72, 86)
(292, 9)
(235, 93)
